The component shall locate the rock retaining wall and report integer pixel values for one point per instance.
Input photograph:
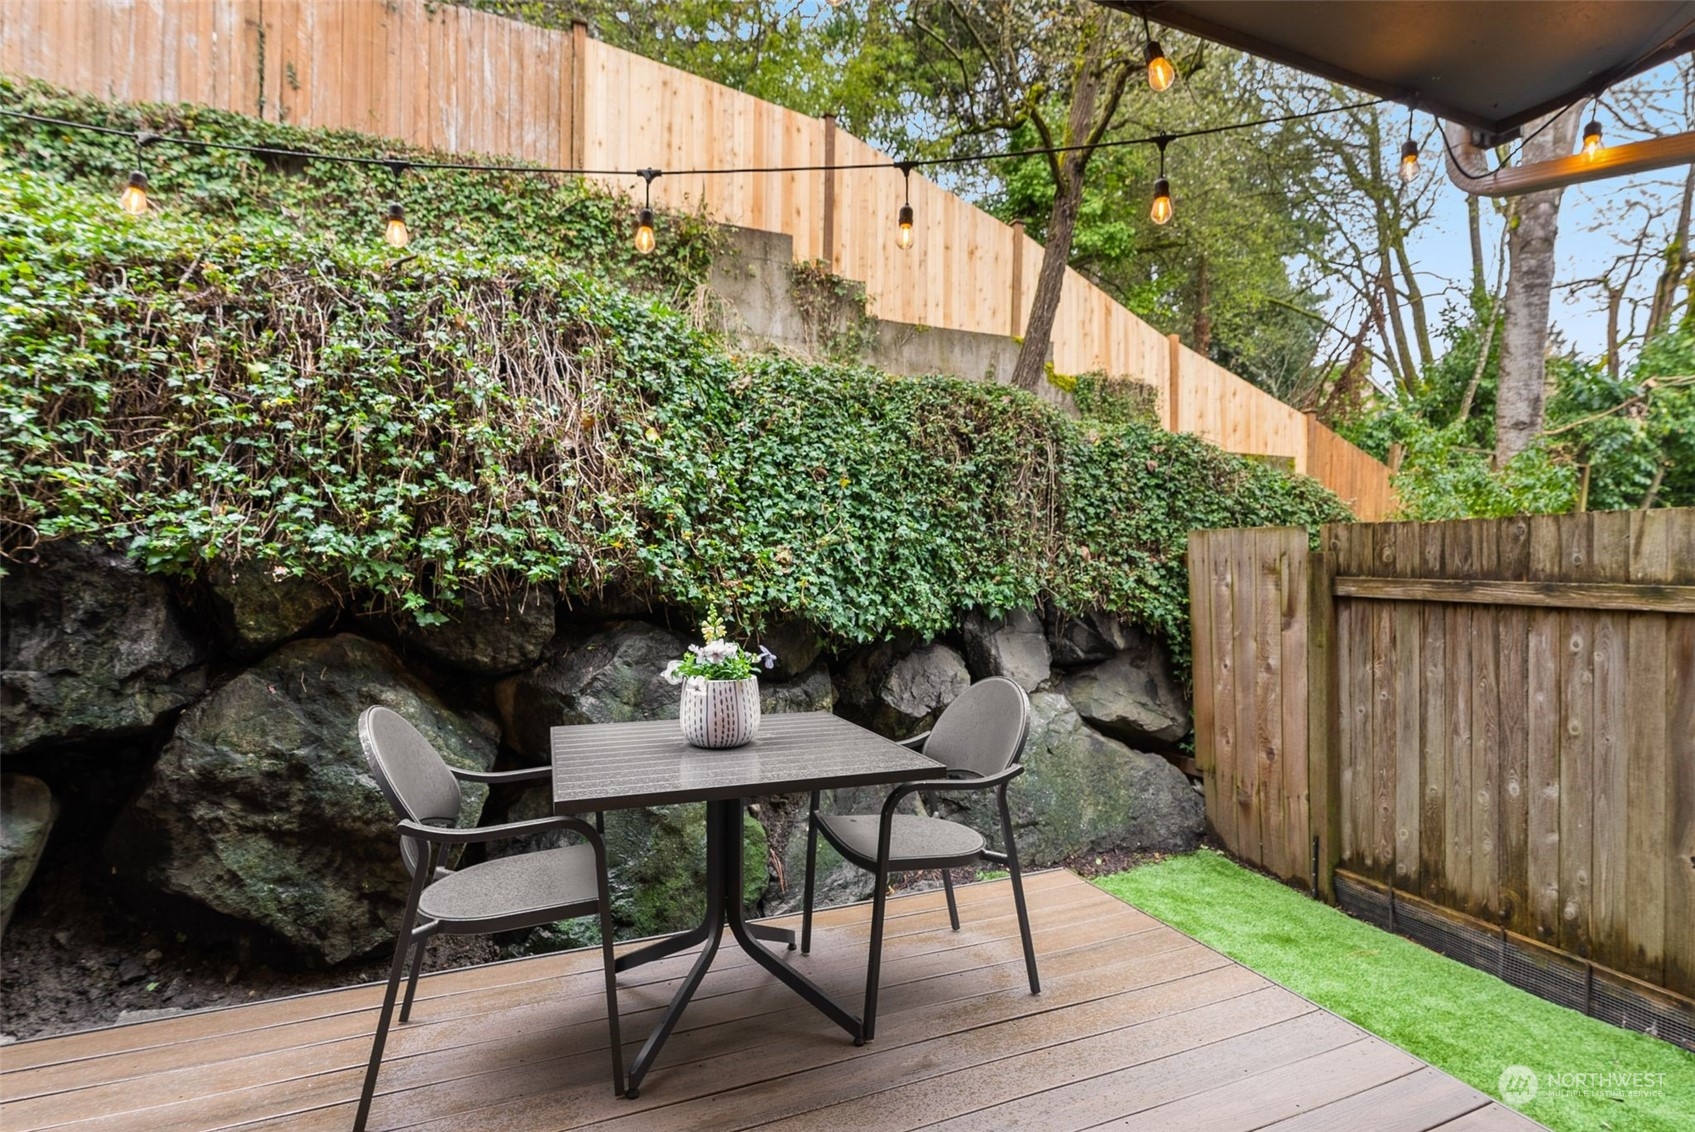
(244, 691)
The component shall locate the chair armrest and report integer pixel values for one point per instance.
(955, 785)
(916, 743)
(527, 774)
(444, 835)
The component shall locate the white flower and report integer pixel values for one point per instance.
(716, 652)
(670, 674)
(767, 657)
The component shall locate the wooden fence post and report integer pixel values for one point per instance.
(577, 146)
(829, 218)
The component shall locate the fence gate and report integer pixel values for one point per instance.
(1479, 733)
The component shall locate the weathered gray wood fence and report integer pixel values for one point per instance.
(1490, 722)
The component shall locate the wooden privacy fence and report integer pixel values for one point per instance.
(442, 76)
(1488, 724)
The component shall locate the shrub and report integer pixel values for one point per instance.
(204, 389)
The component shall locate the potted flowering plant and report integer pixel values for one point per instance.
(720, 707)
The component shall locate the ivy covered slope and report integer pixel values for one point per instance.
(207, 389)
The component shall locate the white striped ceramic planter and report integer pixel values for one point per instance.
(720, 713)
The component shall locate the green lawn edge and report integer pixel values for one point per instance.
(1461, 1020)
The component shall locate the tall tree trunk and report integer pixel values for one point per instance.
(1030, 369)
(1677, 263)
(1415, 304)
(1615, 297)
(1520, 398)
(1392, 304)
(1474, 221)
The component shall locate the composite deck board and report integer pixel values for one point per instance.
(1137, 1026)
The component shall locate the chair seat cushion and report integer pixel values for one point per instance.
(507, 887)
(911, 838)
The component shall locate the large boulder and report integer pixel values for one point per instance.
(613, 676)
(794, 643)
(1015, 647)
(811, 691)
(1088, 639)
(1133, 697)
(922, 683)
(1083, 792)
(490, 634)
(259, 607)
(262, 807)
(899, 687)
(27, 810)
(94, 649)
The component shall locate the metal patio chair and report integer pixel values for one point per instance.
(979, 739)
(497, 895)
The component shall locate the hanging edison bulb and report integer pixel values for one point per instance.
(1592, 139)
(1161, 212)
(133, 199)
(1409, 161)
(1161, 72)
(903, 234)
(645, 241)
(395, 233)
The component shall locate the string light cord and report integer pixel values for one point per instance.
(479, 167)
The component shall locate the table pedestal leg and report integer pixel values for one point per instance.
(724, 906)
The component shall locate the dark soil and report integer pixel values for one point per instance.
(77, 956)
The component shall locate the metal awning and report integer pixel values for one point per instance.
(1490, 65)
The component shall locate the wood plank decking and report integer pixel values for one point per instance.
(1138, 1026)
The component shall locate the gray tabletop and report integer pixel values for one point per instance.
(611, 766)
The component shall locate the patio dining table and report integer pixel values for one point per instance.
(612, 766)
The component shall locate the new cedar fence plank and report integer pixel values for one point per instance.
(1499, 717)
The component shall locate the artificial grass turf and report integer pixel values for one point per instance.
(1464, 1022)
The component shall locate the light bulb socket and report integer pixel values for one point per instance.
(644, 219)
(905, 216)
(395, 212)
(1152, 52)
(1409, 151)
(138, 180)
(1592, 133)
(1162, 188)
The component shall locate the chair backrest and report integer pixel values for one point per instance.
(410, 773)
(983, 731)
